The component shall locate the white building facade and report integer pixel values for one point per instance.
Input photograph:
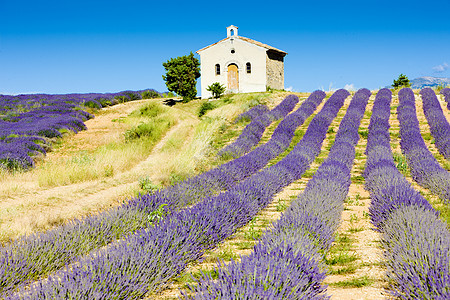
(242, 65)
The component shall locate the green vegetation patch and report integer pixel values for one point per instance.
(354, 282)
(205, 107)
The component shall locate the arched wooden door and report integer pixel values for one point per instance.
(233, 77)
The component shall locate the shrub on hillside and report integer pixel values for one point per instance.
(149, 94)
(149, 110)
(93, 104)
(216, 89)
(205, 107)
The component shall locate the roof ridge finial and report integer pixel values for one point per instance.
(232, 31)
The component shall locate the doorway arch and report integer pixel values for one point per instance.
(233, 77)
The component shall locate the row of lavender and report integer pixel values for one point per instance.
(29, 102)
(416, 241)
(148, 259)
(446, 93)
(252, 133)
(252, 114)
(287, 261)
(27, 121)
(424, 167)
(18, 260)
(439, 126)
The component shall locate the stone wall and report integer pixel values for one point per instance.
(275, 70)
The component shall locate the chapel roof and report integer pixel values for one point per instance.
(248, 41)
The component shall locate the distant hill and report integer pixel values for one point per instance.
(428, 81)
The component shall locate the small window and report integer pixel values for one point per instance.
(232, 51)
(217, 69)
(232, 32)
(249, 68)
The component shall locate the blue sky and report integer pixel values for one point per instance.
(108, 46)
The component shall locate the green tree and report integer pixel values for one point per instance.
(216, 89)
(402, 81)
(181, 76)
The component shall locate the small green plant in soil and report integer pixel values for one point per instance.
(401, 163)
(244, 245)
(340, 258)
(281, 205)
(354, 229)
(147, 186)
(253, 233)
(358, 179)
(354, 282)
(344, 270)
(157, 215)
(227, 255)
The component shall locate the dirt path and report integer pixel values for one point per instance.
(354, 260)
(39, 209)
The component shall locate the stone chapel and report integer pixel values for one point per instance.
(241, 64)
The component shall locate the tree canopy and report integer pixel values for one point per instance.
(402, 81)
(181, 76)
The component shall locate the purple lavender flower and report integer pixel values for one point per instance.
(416, 241)
(439, 127)
(252, 113)
(424, 167)
(253, 132)
(446, 93)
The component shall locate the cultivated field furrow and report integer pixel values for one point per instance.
(410, 227)
(310, 218)
(242, 242)
(355, 257)
(183, 236)
(438, 124)
(424, 167)
(94, 232)
(391, 234)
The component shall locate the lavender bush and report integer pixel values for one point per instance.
(416, 241)
(18, 260)
(446, 93)
(252, 133)
(424, 167)
(147, 259)
(439, 126)
(252, 113)
(287, 261)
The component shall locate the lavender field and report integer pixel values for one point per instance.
(29, 122)
(341, 195)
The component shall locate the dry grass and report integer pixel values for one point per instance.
(116, 153)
